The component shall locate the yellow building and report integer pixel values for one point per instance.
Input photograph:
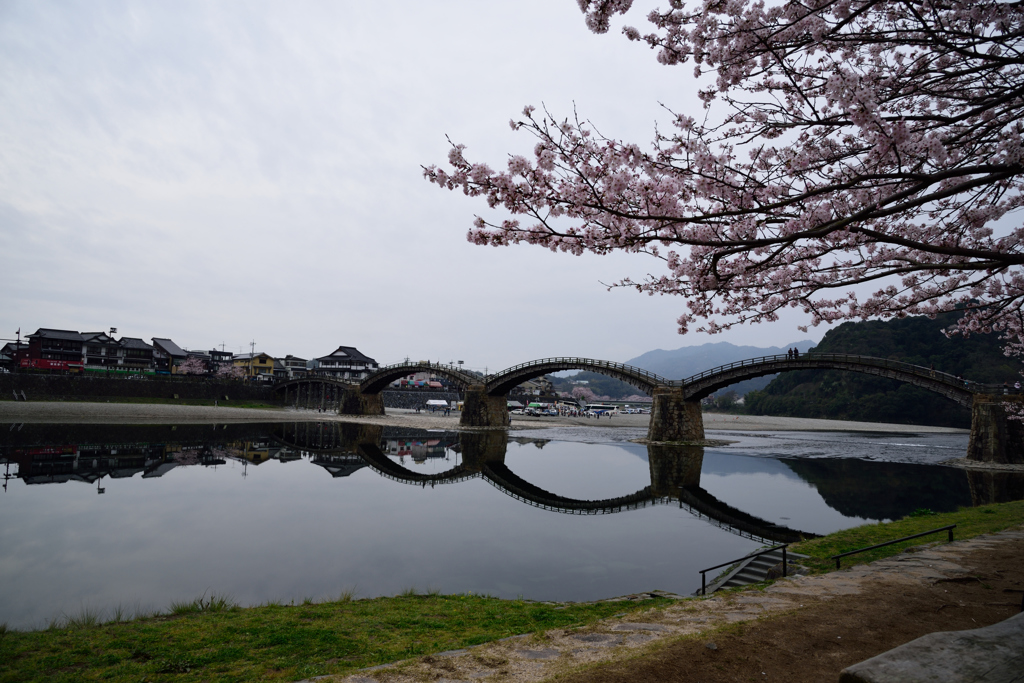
(255, 365)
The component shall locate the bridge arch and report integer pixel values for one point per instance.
(954, 388)
(389, 469)
(508, 482)
(379, 380)
(503, 382)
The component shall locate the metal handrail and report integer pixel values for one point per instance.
(898, 540)
(785, 564)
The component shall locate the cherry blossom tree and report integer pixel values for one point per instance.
(850, 158)
(229, 371)
(193, 365)
(584, 394)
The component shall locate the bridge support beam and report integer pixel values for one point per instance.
(674, 468)
(995, 437)
(354, 402)
(673, 418)
(483, 410)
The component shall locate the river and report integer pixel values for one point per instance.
(96, 517)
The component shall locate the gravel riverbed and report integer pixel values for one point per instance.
(135, 413)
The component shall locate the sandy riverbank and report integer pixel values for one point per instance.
(134, 413)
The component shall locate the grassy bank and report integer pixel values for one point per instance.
(970, 522)
(211, 640)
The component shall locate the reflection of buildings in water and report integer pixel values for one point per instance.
(91, 462)
(285, 454)
(83, 462)
(252, 452)
(259, 452)
(339, 464)
(417, 449)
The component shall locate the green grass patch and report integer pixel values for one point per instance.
(969, 522)
(279, 642)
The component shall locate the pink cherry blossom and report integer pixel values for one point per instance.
(859, 142)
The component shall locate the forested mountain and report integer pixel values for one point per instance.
(854, 396)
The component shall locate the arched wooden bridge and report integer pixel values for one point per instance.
(675, 414)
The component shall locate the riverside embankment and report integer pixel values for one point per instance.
(127, 413)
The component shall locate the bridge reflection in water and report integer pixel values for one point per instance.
(44, 454)
(49, 454)
(675, 476)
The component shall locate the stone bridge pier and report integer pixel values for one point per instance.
(355, 402)
(479, 409)
(674, 468)
(480, 449)
(996, 436)
(673, 418)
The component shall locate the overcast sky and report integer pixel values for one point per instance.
(236, 171)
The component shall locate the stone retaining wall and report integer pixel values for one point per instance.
(416, 399)
(38, 387)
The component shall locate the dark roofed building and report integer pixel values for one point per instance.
(295, 366)
(10, 354)
(346, 362)
(135, 354)
(57, 345)
(221, 357)
(166, 355)
(101, 350)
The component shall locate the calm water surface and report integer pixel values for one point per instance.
(287, 512)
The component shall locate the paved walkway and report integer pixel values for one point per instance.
(536, 657)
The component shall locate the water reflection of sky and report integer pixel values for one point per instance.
(289, 530)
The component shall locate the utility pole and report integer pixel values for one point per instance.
(252, 352)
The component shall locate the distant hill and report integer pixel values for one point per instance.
(689, 360)
(854, 396)
(679, 364)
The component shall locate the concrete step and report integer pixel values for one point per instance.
(753, 570)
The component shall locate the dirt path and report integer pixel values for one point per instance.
(802, 629)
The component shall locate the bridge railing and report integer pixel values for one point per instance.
(566, 360)
(910, 368)
(454, 369)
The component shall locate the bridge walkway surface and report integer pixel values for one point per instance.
(820, 625)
